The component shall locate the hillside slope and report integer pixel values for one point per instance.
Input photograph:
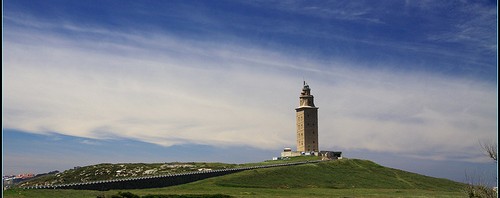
(338, 174)
(126, 170)
(338, 178)
(133, 170)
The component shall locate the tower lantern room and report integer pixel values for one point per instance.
(306, 99)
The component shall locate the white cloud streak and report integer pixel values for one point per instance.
(476, 28)
(347, 10)
(168, 90)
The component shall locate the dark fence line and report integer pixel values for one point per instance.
(157, 181)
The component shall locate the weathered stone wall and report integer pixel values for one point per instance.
(307, 129)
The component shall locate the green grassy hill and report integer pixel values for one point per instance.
(130, 170)
(338, 174)
(126, 170)
(338, 178)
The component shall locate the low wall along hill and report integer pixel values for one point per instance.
(158, 181)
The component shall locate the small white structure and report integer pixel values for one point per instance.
(287, 152)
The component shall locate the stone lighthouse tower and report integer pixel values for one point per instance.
(307, 122)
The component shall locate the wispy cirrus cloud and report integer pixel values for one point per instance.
(447, 37)
(346, 10)
(475, 27)
(169, 90)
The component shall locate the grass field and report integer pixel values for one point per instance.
(340, 178)
(241, 192)
(130, 170)
(126, 170)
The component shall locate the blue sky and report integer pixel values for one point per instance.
(149, 81)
